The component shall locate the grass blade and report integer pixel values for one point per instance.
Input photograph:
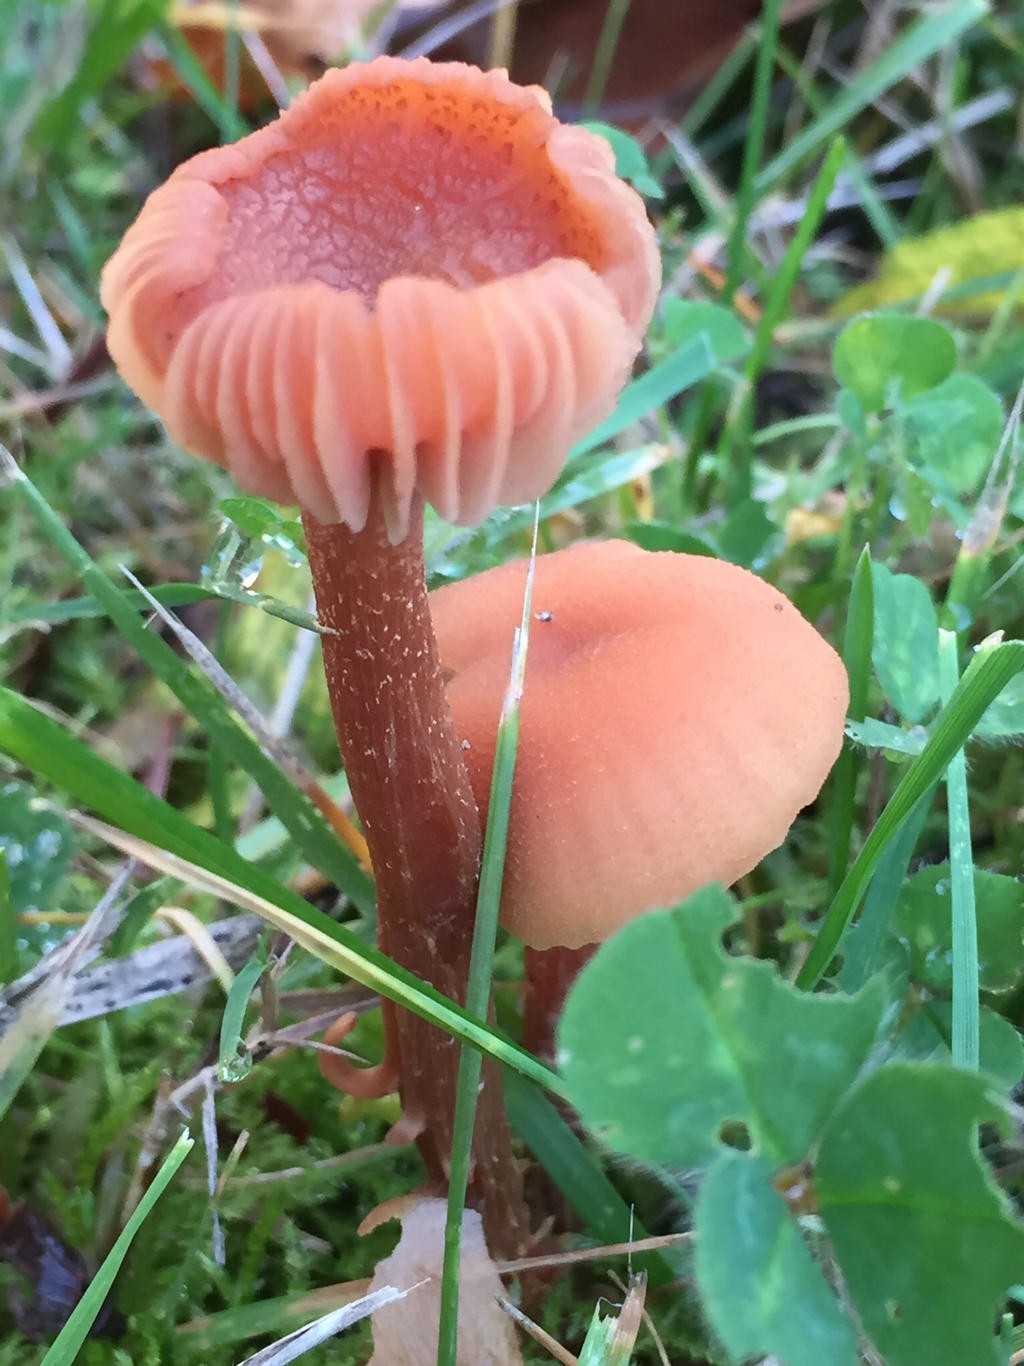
(478, 987)
(232, 69)
(218, 109)
(777, 300)
(78, 609)
(39, 1011)
(27, 1035)
(857, 642)
(578, 1174)
(8, 925)
(966, 1014)
(69, 1341)
(931, 32)
(180, 849)
(307, 827)
(862, 955)
(876, 210)
(754, 145)
(692, 362)
(984, 679)
(739, 472)
(233, 1020)
(338, 947)
(610, 1340)
(116, 30)
(713, 93)
(604, 56)
(314, 1334)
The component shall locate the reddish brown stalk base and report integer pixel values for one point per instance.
(410, 786)
(549, 975)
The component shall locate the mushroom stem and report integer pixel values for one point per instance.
(549, 974)
(409, 782)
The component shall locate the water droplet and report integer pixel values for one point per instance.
(238, 1067)
(235, 560)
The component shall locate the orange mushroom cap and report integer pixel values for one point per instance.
(416, 278)
(678, 712)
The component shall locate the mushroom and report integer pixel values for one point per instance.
(415, 284)
(678, 712)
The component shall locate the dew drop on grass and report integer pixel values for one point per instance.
(236, 1068)
(235, 560)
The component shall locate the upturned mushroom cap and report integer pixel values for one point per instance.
(415, 279)
(678, 712)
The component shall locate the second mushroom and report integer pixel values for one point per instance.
(678, 713)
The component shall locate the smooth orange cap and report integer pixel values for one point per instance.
(416, 279)
(678, 712)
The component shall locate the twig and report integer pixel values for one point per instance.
(39, 400)
(268, 68)
(324, 1164)
(908, 145)
(538, 1334)
(592, 1254)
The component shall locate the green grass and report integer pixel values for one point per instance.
(757, 429)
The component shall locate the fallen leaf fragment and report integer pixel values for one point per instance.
(405, 1331)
